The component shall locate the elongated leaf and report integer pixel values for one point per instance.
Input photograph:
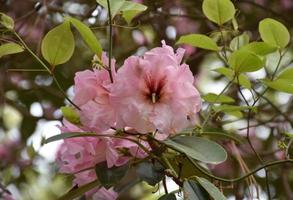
(282, 85)
(274, 33)
(225, 108)
(115, 5)
(229, 73)
(152, 173)
(170, 196)
(287, 74)
(245, 61)
(110, 176)
(198, 148)
(87, 35)
(58, 44)
(6, 21)
(10, 48)
(74, 193)
(218, 11)
(211, 189)
(214, 98)
(259, 48)
(223, 135)
(239, 41)
(193, 191)
(68, 135)
(199, 40)
(131, 9)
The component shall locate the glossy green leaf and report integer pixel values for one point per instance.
(110, 176)
(115, 5)
(193, 191)
(274, 33)
(239, 41)
(218, 11)
(87, 35)
(214, 98)
(213, 191)
(6, 21)
(229, 73)
(10, 48)
(259, 48)
(169, 196)
(245, 61)
(152, 173)
(199, 40)
(131, 9)
(70, 114)
(58, 44)
(77, 192)
(198, 148)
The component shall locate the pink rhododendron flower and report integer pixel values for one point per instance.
(104, 194)
(155, 92)
(92, 96)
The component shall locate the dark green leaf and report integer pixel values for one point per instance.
(274, 33)
(218, 11)
(152, 173)
(198, 148)
(193, 191)
(170, 196)
(58, 44)
(87, 35)
(69, 135)
(110, 176)
(74, 193)
(10, 48)
(198, 40)
(211, 189)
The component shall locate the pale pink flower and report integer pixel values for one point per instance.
(92, 96)
(155, 92)
(104, 194)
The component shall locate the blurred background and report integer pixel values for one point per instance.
(30, 101)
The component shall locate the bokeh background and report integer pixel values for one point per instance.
(30, 101)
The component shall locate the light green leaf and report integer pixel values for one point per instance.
(245, 61)
(213, 191)
(199, 40)
(193, 191)
(218, 11)
(6, 21)
(282, 85)
(10, 48)
(214, 98)
(274, 33)
(229, 108)
(198, 148)
(58, 44)
(115, 6)
(131, 9)
(237, 114)
(87, 35)
(229, 73)
(286, 74)
(259, 48)
(239, 41)
(70, 114)
(81, 190)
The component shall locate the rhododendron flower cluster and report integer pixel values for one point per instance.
(153, 94)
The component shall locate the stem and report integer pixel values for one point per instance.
(110, 40)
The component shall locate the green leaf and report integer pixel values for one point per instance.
(223, 135)
(214, 98)
(87, 35)
(6, 21)
(218, 11)
(198, 148)
(70, 114)
(131, 9)
(229, 73)
(58, 44)
(274, 33)
(115, 5)
(193, 191)
(235, 113)
(259, 48)
(110, 176)
(152, 173)
(286, 74)
(69, 135)
(229, 108)
(10, 48)
(282, 85)
(74, 193)
(245, 61)
(213, 191)
(169, 196)
(199, 40)
(239, 41)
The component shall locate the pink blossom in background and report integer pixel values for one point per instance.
(92, 96)
(155, 92)
(104, 194)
